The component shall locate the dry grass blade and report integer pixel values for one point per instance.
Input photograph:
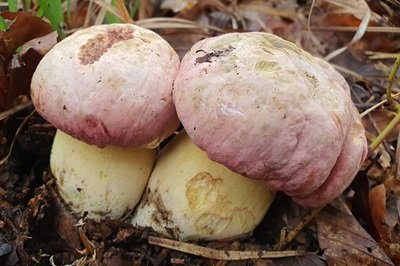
(358, 8)
(348, 72)
(292, 234)
(20, 127)
(262, 8)
(14, 110)
(376, 106)
(380, 55)
(89, 247)
(107, 7)
(354, 29)
(160, 23)
(102, 13)
(124, 12)
(220, 254)
(91, 10)
(89, 250)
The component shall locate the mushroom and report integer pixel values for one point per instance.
(108, 88)
(268, 110)
(190, 197)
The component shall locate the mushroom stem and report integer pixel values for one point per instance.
(104, 183)
(190, 197)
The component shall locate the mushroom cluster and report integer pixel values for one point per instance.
(259, 113)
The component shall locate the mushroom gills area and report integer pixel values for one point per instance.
(101, 182)
(190, 197)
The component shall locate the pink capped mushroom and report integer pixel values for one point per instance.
(268, 110)
(107, 89)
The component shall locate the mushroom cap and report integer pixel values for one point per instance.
(268, 110)
(109, 85)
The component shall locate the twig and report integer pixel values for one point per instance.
(26, 119)
(354, 29)
(14, 110)
(220, 254)
(293, 233)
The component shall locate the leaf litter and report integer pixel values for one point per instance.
(37, 228)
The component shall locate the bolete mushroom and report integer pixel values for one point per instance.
(190, 197)
(268, 110)
(107, 86)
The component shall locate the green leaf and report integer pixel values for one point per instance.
(13, 5)
(135, 8)
(52, 10)
(110, 18)
(3, 24)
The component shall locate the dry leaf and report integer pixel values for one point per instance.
(380, 118)
(64, 221)
(344, 241)
(17, 70)
(377, 204)
(41, 45)
(393, 251)
(358, 8)
(306, 260)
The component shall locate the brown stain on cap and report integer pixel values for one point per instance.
(95, 47)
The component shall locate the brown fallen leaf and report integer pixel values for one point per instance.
(41, 45)
(377, 204)
(359, 203)
(16, 69)
(25, 26)
(344, 241)
(378, 120)
(64, 221)
(393, 250)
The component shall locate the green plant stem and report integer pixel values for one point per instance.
(135, 8)
(396, 120)
(385, 132)
(392, 75)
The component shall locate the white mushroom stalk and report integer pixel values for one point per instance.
(190, 197)
(109, 86)
(100, 183)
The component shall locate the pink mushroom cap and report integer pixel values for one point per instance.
(109, 85)
(268, 110)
